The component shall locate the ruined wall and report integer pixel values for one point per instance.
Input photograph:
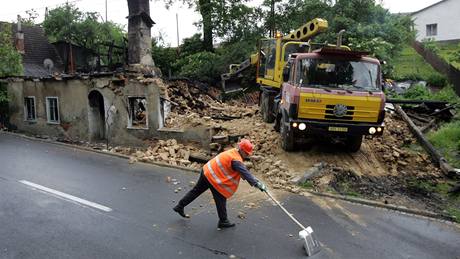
(77, 119)
(72, 107)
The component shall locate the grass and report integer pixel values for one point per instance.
(455, 213)
(451, 203)
(447, 52)
(447, 140)
(409, 65)
(307, 185)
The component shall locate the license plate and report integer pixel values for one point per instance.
(338, 129)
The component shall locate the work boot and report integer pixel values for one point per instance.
(180, 211)
(225, 224)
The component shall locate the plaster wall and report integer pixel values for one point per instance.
(445, 15)
(72, 115)
(75, 111)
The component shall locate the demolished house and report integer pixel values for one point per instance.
(54, 98)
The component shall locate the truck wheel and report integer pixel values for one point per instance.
(287, 137)
(353, 143)
(265, 108)
(277, 125)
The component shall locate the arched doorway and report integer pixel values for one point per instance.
(96, 116)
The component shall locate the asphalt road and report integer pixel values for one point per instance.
(130, 215)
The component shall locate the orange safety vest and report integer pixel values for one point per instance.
(220, 174)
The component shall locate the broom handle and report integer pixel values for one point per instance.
(287, 212)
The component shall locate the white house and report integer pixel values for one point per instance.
(440, 21)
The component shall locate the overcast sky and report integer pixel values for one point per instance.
(165, 19)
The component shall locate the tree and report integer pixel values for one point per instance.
(68, 23)
(31, 17)
(10, 65)
(368, 25)
(234, 21)
(294, 13)
(10, 59)
(228, 19)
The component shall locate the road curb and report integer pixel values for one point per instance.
(98, 151)
(372, 203)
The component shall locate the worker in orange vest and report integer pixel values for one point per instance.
(222, 175)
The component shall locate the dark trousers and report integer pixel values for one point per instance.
(201, 186)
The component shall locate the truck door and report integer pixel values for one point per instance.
(267, 59)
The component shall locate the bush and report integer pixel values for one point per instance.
(234, 54)
(164, 58)
(436, 80)
(408, 77)
(417, 92)
(447, 94)
(200, 66)
(192, 45)
(431, 44)
(455, 57)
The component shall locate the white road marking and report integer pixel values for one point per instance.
(67, 196)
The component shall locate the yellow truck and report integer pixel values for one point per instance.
(319, 90)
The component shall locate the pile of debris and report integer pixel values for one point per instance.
(194, 104)
(427, 115)
(393, 150)
(163, 151)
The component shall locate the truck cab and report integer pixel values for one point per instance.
(330, 93)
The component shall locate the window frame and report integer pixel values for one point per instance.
(432, 29)
(130, 119)
(48, 115)
(26, 112)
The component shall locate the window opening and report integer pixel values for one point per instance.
(29, 108)
(137, 112)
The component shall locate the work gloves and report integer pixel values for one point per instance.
(261, 186)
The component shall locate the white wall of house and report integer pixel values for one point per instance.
(446, 16)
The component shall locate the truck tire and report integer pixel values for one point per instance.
(277, 125)
(353, 143)
(265, 107)
(287, 136)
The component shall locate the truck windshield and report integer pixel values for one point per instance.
(342, 74)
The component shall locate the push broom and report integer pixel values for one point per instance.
(311, 244)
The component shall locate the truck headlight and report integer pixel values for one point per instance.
(379, 129)
(294, 124)
(302, 126)
(372, 130)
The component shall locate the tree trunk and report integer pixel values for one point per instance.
(206, 11)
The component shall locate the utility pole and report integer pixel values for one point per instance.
(272, 13)
(177, 28)
(105, 10)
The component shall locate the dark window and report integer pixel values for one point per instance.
(29, 108)
(52, 109)
(432, 29)
(267, 57)
(137, 116)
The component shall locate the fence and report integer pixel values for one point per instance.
(452, 73)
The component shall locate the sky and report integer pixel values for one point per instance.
(165, 19)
